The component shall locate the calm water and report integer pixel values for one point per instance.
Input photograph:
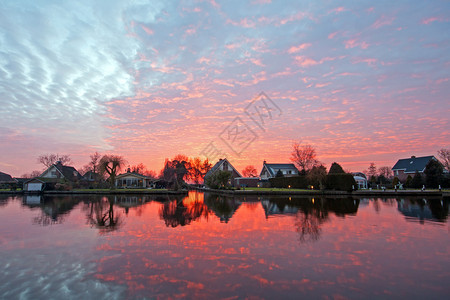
(206, 247)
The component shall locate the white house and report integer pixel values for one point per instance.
(133, 180)
(271, 170)
(361, 180)
(59, 171)
(52, 175)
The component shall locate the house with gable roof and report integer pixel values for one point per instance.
(224, 165)
(270, 170)
(6, 180)
(409, 166)
(56, 173)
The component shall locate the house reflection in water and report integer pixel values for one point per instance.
(53, 209)
(435, 210)
(309, 213)
(222, 206)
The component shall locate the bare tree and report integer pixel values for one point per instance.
(317, 176)
(49, 159)
(444, 155)
(372, 171)
(111, 165)
(95, 161)
(32, 174)
(249, 171)
(385, 171)
(304, 156)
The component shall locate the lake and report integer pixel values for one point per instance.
(206, 246)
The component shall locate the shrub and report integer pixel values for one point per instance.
(417, 181)
(295, 182)
(336, 169)
(220, 179)
(340, 182)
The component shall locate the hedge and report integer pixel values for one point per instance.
(340, 182)
(295, 182)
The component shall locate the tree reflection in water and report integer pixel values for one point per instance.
(182, 212)
(222, 206)
(101, 215)
(310, 213)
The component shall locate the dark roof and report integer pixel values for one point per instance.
(6, 178)
(273, 168)
(412, 164)
(67, 172)
(217, 165)
(70, 173)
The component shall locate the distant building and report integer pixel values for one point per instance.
(34, 185)
(59, 171)
(133, 180)
(224, 165)
(409, 166)
(56, 173)
(361, 180)
(91, 176)
(271, 170)
(7, 180)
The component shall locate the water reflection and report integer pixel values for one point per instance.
(105, 212)
(223, 207)
(233, 248)
(309, 213)
(53, 209)
(101, 215)
(179, 213)
(423, 209)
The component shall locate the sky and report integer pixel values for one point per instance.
(361, 81)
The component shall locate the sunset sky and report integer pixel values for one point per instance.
(362, 81)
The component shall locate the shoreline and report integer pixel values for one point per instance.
(94, 192)
(274, 192)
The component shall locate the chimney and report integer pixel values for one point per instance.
(264, 162)
(129, 170)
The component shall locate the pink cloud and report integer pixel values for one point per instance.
(382, 21)
(298, 16)
(319, 85)
(431, 20)
(147, 30)
(337, 10)
(332, 35)
(355, 43)
(295, 49)
(368, 61)
(223, 82)
(203, 59)
(304, 61)
(442, 80)
(261, 2)
(257, 62)
(245, 23)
